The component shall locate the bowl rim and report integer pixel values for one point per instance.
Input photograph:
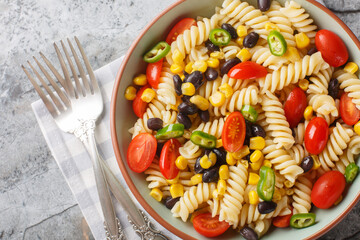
(121, 163)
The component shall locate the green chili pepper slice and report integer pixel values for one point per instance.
(220, 37)
(266, 184)
(170, 131)
(249, 113)
(302, 220)
(277, 43)
(203, 139)
(351, 172)
(158, 52)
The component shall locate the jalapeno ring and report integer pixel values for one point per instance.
(158, 52)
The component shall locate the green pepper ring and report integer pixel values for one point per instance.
(266, 185)
(203, 139)
(170, 131)
(220, 37)
(249, 113)
(351, 172)
(302, 216)
(158, 52)
(277, 43)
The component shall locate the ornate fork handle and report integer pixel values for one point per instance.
(147, 231)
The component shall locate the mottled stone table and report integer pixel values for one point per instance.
(35, 201)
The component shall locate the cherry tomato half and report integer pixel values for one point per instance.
(209, 226)
(327, 189)
(233, 134)
(179, 28)
(332, 48)
(348, 110)
(153, 72)
(247, 70)
(316, 135)
(141, 152)
(168, 157)
(139, 106)
(282, 221)
(295, 106)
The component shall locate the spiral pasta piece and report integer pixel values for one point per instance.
(191, 152)
(166, 91)
(214, 127)
(354, 144)
(351, 84)
(155, 177)
(297, 152)
(199, 53)
(278, 125)
(301, 196)
(323, 104)
(300, 133)
(320, 81)
(263, 56)
(291, 73)
(345, 159)
(191, 200)
(231, 50)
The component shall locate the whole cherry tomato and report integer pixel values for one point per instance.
(316, 135)
(233, 134)
(179, 28)
(295, 106)
(247, 70)
(141, 152)
(209, 226)
(153, 72)
(139, 106)
(168, 156)
(348, 110)
(332, 48)
(327, 189)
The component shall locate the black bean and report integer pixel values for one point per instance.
(155, 123)
(264, 5)
(333, 88)
(197, 166)
(220, 156)
(207, 152)
(177, 84)
(204, 115)
(211, 47)
(187, 108)
(257, 130)
(312, 51)
(225, 68)
(211, 74)
(185, 120)
(248, 233)
(195, 78)
(251, 40)
(307, 163)
(185, 73)
(159, 148)
(248, 133)
(247, 157)
(170, 202)
(266, 207)
(211, 175)
(230, 29)
(186, 98)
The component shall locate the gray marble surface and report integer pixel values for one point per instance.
(35, 201)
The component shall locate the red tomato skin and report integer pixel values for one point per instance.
(231, 142)
(153, 72)
(139, 106)
(349, 113)
(247, 70)
(295, 106)
(327, 189)
(215, 228)
(282, 221)
(179, 28)
(332, 48)
(316, 135)
(168, 157)
(141, 152)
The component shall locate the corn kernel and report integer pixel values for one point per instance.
(213, 62)
(148, 95)
(338, 200)
(182, 76)
(224, 172)
(196, 179)
(257, 143)
(351, 67)
(304, 84)
(276, 195)
(205, 162)
(317, 163)
(221, 187)
(230, 160)
(241, 31)
(157, 194)
(188, 89)
(174, 180)
(140, 80)
(308, 113)
(267, 163)
(201, 102)
(253, 178)
(130, 93)
(198, 212)
(256, 156)
(176, 190)
(245, 163)
(302, 40)
(200, 66)
(256, 165)
(241, 153)
(271, 26)
(288, 184)
(219, 143)
(357, 128)
(240, 41)
(253, 197)
(188, 67)
(218, 55)
(181, 163)
(292, 54)
(176, 68)
(244, 55)
(289, 191)
(216, 194)
(217, 99)
(178, 57)
(212, 158)
(226, 89)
